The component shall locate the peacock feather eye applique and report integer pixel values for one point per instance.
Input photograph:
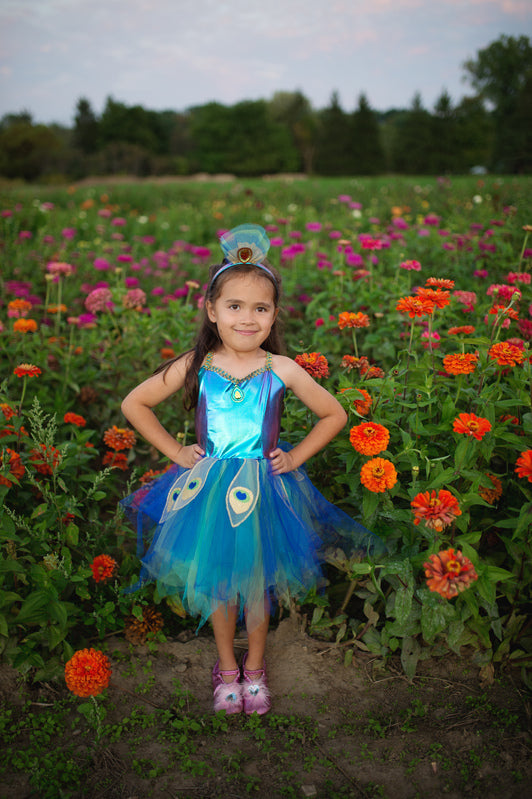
(243, 493)
(187, 486)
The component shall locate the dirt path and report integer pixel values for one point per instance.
(359, 731)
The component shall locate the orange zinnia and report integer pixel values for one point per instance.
(25, 326)
(74, 418)
(523, 465)
(415, 306)
(119, 438)
(314, 363)
(378, 474)
(103, 568)
(506, 354)
(347, 319)
(363, 405)
(491, 495)
(449, 572)
(19, 307)
(87, 672)
(369, 438)
(437, 510)
(461, 363)
(462, 330)
(439, 283)
(471, 425)
(26, 370)
(437, 296)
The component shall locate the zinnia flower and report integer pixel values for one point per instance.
(15, 465)
(471, 425)
(115, 460)
(369, 438)
(74, 418)
(523, 465)
(437, 296)
(314, 363)
(363, 405)
(436, 509)
(411, 266)
(18, 308)
(103, 567)
(460, 363)
(462, 330)
(378, 474)
(26, 370)
(45, 459)
(98, 300)
(25, 326)
(506, 354)
(449, 572)
(119, 438)
(87, 672)
(134, 298)
(491, 495)
(347, 319)
(440, 283)
(415, 306)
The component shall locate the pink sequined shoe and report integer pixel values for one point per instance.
(255, 690)
(227, 695)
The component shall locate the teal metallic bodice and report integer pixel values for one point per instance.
(238, 418)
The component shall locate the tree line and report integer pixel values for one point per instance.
(492, 129)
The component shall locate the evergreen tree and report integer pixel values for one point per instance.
(334, 152)
(414, 145)
(86, 127)
(366, 152)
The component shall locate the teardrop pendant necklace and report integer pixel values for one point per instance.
(237, 395)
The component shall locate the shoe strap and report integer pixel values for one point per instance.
(229, 673)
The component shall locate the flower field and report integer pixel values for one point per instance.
(410, 300)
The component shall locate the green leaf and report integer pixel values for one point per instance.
(33, 607)
(410, 652)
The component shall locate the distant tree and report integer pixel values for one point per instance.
(367, 154)
(446, 156)
(474, 130)
(295, 111)
(500, 73)
(414, 144)
(86, 127)
(334, 154)
(27, 151)
(134, 125)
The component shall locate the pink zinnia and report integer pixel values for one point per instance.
(98, 300)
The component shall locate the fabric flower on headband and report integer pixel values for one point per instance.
(245, 244)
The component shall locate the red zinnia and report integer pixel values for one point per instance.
(45, 459)
(103, 568)
(378, 474)
(74, 418)
(436, 509)
(16, 467)
(471, 425)
(115, 460)
(494, 493)
(26, 370)
(369, 438)
(437, 296)
(363, 405)
(87, 672)
(462, 330)
(523, 465)
(25, 326)
(440, 283)
(314, 363)
(449, 572)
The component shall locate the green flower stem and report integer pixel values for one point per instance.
(527, 234)
(59, 298)
(409, 354)
(354, 333)
(23, 393)
(458, 389)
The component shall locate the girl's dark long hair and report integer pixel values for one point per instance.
(208, 338)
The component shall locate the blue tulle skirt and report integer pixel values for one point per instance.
(229, 532)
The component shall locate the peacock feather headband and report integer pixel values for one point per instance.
(245, 244)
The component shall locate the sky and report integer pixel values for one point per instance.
(174, 54)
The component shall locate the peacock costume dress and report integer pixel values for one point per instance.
(229, 530)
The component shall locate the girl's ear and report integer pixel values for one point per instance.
(209, 307)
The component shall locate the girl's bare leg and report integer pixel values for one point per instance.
(224, 627)
(257, 641)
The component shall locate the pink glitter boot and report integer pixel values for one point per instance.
(255, 690)
(227, 695)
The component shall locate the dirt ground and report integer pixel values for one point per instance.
(334, 731)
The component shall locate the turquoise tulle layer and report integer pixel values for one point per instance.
(228, 531)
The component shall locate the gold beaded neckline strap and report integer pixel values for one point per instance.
(237, 392)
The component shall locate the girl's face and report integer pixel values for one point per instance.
(244, 312)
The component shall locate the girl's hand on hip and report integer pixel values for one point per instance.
(281, 461)
(189, 456)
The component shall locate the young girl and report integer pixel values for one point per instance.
(237, 523)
